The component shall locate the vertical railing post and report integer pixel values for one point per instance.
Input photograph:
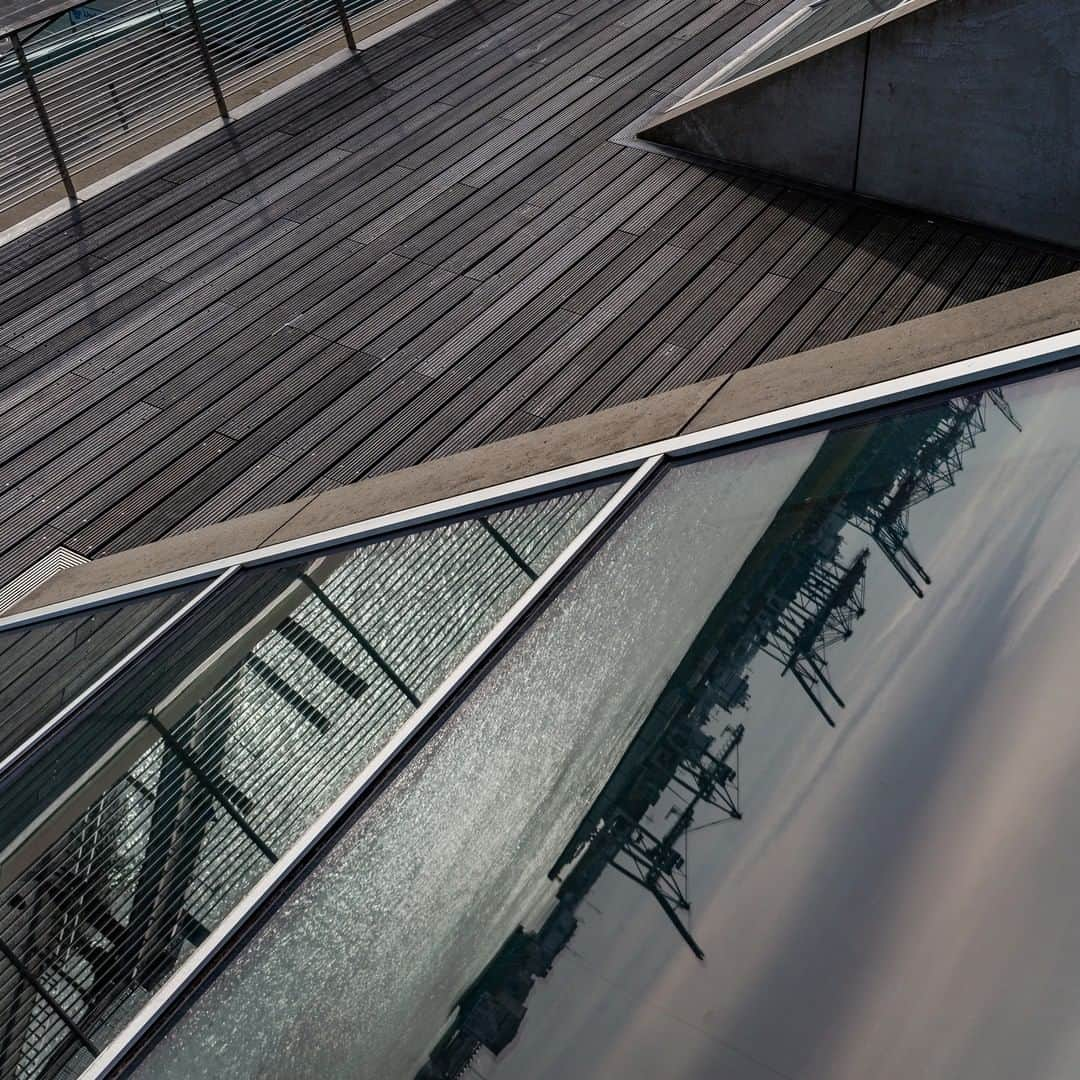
(208, 63)
(343, 15)
(43, 116)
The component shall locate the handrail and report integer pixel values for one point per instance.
(86, 96)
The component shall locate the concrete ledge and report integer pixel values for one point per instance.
(1013, 318)
(591, 436)
(163, 556)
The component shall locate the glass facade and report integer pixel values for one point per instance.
(129, 836)
(779, 785)
(44, 667)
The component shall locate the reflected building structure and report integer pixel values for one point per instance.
(795, 598)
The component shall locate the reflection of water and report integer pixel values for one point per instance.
(358, 972)
(795, 597)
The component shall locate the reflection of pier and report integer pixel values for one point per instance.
(794, 599)
(822, 613)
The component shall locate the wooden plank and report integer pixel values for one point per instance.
(420, 250)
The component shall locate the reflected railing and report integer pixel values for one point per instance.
(127, 838)
(90, 89)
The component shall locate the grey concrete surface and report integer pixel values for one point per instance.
(973, 110)
(969, 108)
(605, 432)
(1027, 314)
(1015, 317)
(802, 122)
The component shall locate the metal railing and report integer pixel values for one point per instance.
(88, 91)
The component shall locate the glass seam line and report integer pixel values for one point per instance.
(28, 745)
(371, 775)
(998, 363)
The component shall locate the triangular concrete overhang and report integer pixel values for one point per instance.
(962, 108)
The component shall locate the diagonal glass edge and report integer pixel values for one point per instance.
(20, 752)
(113, 1056)
(945, 377)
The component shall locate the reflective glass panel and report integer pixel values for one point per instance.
(129, 837)
(780, 785)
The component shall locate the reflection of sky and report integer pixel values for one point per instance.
(897, 901)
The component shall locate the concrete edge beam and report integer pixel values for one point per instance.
(551, 447)
(1012, 318)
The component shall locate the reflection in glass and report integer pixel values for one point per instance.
(754, 796)
(131, 835)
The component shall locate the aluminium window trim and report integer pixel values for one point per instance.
(648, 458)
(788, 419)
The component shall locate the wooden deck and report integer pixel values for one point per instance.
(432, 246)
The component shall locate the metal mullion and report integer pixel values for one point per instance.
(384, 760)
(279, 737)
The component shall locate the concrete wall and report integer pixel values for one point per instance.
(802, 122)
(969, 108)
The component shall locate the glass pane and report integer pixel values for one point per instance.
(44, 666)
(142, 824)
(641, 849)
(804, 26)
